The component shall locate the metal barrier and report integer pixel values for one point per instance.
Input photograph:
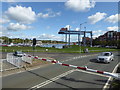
(27, 59)
(114, 75)
(16, 61)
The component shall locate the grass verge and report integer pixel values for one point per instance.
(71, 49)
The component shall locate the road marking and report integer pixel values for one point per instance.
(110, 78)
(78, 57)
(45, 65)
(55, 78)
(51, 80)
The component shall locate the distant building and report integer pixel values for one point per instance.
(87, 40)
(39, 42)
(110, 38)
(110, 35)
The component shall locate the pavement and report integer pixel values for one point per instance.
(56, 76)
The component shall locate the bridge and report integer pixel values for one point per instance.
(67, 32)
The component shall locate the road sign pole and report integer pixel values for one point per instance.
(34, 43)
(33, 50)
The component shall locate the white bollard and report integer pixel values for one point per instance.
(46, 49)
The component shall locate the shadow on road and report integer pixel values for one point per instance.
(52, 80)
(117, 55)
(65, 78)
(93, 60)
(83, 81)
(104, 81)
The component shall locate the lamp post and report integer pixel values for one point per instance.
(69, 36)
(79, 35)
(80, 32)
(85, 37)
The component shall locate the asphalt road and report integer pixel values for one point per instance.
(57, 76)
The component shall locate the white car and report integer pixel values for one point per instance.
(106, 57)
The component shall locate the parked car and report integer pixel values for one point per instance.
(105, 57)
(18, 53)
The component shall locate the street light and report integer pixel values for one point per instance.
(79, 35)
(82, 24)
(85, 37)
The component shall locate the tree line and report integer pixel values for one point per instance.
(6, 40)
(107, 43)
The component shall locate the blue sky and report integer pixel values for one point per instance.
(43, 20)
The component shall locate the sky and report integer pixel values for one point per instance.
(43, 20)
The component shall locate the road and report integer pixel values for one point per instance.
(56, 76)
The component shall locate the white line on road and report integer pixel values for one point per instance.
(58, 77)
(78, 57)
(110, 78)
(51, 80)
(46, 65)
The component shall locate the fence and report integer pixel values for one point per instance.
(16, 61)
(27, 59)
(13, 62)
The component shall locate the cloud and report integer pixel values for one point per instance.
(49, 14)
(21, 14)
(114, 28)
(97, 33)
(17, 26)
(113, 18)
(96, 17)
(77, 29)
(80, 5)
(3, 31)
(3, 20)
(8, 0)
(2, 28)
(68, 27)
(49, 37)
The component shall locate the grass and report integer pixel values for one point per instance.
(71, 49)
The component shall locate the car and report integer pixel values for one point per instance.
(18, 53)
(105, 57)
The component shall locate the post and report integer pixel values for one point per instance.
(69, 39)
(79, 39)
(33, 50)
(80, 29)
(69, 36)
(91, 39)
(80, 36)
(66, 38)
(84, 37)
(34, 43)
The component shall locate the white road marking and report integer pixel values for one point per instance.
(78, 57)
(58, 77)
(51, 80)
(43, 66)
(110, 78)
(62, 75)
